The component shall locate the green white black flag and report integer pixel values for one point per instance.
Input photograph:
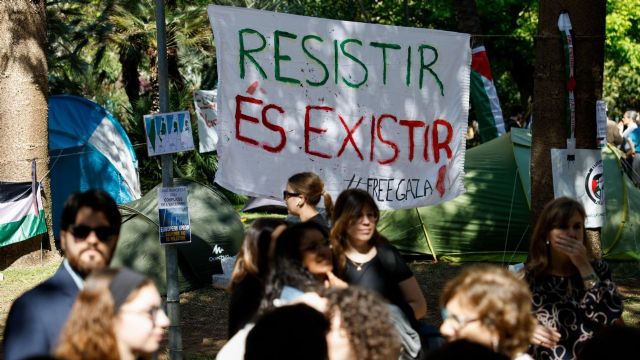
(21, 212)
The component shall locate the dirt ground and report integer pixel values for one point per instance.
(204, 312)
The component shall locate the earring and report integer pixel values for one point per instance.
(547, 242)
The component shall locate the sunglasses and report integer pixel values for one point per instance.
(286, 195)
(81, 232)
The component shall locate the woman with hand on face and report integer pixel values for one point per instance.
(117, 315)
(489, 306)
(302, 195)
(573, 294)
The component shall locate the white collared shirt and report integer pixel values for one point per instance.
(74, 275)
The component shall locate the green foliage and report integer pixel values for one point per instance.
(622, 57)
(92, 43)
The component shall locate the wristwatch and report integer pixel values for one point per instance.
(590, 280)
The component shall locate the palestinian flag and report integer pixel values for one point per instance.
(484, 97)
(21, 212)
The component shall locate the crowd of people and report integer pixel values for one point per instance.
(327, 288)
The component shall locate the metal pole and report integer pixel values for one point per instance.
(171, 257)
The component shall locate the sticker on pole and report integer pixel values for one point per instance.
(168, 133)
(175, 226)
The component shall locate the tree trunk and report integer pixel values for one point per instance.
(588, 22)
(130, 57)
(23, 95)
(468, 20)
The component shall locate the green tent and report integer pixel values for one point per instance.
(490, 222)
(216, 232)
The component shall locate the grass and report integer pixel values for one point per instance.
(16, 281)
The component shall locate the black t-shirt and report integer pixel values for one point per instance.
(382, 274)
(319, 219)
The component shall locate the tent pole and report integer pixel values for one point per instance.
(426, 236)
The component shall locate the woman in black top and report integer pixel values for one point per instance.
(573, 295)
(250, 271)
(363, 257)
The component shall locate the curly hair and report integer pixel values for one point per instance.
(89, 331)
(255, 252)
(311, 186)
(365, 317)
(556, 214)
(502, 300)
(348, 208)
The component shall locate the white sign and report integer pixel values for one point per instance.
(601, 122)
(207, 113)
(381, 108)
(173, 212)
(581, 179)
(168, 133)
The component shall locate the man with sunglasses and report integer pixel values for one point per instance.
(90, 227)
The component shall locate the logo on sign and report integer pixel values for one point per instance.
(594, 183)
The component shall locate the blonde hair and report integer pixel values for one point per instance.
(311, 186)
(503, 303)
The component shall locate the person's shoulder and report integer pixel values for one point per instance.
(58, 286)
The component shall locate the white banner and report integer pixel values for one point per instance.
(581, 179)
(381, 108)
(206, 106)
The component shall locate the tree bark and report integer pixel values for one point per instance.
(468, 20)
(588, 22)
(23, 95)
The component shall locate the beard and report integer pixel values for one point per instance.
(84, 266)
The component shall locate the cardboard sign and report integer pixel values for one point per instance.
(175, 225)
(381, 108)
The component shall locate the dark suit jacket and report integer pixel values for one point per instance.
(36, 318)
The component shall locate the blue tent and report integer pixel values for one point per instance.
(88, 149)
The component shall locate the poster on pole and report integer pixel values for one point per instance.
(168, 133)
(175, 225)
(581, 179)
(380, 108)
(206, 106)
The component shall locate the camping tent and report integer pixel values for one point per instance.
(216, 233)
(490, 222)
(89, 149)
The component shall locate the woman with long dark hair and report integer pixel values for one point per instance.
(573, 294)
(363, 257)
(302, 263)
(251, 270)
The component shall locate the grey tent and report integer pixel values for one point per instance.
(216, 232)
